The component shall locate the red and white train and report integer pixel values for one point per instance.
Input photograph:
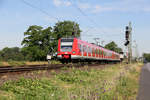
(74, 49)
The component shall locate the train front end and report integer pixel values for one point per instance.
(66, 49)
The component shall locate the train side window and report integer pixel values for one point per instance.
(79, 46)
(93, 51)
(83, 48)
(86, 50)
(90, 50)
(96, 51)
(100, 52)
(104, 53)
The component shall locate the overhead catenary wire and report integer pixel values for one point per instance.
(41, 10)
(84, 14)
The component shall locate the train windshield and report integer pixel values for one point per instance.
(66, 45)
(66, 48)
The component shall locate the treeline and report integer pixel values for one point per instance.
(14, 53)
(146, 57)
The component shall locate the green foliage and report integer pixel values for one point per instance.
(113, 46)
(126, 87)
(29, 89)
(55, 62)
(65, 29)
(11, 54)
(1, 63)
(64, 68)
(16, 63)
(74, 77)
(146, 56)
(37, 43)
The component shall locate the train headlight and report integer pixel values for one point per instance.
(73, 52)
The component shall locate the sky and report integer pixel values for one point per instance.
(103, 19)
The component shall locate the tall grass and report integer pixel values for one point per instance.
(75, 84)
(1, 63)
(16, 63)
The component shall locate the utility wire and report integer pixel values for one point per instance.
(84, 14)
(41, 10)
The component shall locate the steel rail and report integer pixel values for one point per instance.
(28, 68)
(9, 69)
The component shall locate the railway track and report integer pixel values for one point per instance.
(8, 69)
(24, 66)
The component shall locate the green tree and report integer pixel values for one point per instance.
(11, 54)
(146, 56)
(113, 46)
(37, 42)
(66, 29)
(1, 56)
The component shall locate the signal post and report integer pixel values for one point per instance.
(128, 43)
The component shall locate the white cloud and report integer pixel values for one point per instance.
(93, 8)
(133, 6)
(67, 3)
(59, 3)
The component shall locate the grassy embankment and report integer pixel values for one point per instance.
(118, 82)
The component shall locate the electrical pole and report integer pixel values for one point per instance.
(130, 43)
(102, 42)
(75, 30)
(136, 50)
(96, 40)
